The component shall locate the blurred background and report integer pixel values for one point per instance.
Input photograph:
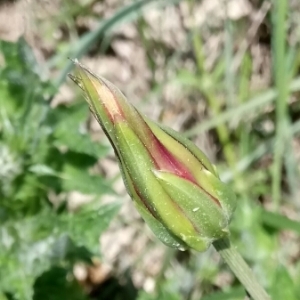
(224, 73)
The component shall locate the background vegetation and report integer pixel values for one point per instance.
(225, 73)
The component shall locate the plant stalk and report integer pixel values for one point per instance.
(241, 269)
(279, 13)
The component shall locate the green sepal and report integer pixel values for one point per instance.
(159, 230)
(161, 131)
(221, 191)
(137, 162)
(89, 83)
(204, 213)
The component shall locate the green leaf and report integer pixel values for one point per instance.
(77, 179)
(86, 226)
(283, 286)
(71, 131)
(279, 221)
(57, 283)
(20, 77)
(41, 169)
(236, 293)
(30, 246)
(64, 249)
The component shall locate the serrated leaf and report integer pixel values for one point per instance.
(75, 179)
(71, 132)
(30, 246)
(20, 76)
(85, 227)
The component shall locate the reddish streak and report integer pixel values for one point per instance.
(169, 163)
(149, 208)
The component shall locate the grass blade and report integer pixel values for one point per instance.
(244, 109)
(279, 13)
(279, 221)
(126, 13)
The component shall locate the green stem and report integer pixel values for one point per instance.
(241, 270)
(280, 10)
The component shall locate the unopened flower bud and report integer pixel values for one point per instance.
(172, 183)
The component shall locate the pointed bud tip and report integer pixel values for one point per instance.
(99, 91)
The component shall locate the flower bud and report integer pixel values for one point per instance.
(172, 183)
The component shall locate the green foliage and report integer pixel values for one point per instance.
(233, 294)
(44, 150)
(52, 285)
(283, 286)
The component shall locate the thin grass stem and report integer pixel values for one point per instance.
(241, 269)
